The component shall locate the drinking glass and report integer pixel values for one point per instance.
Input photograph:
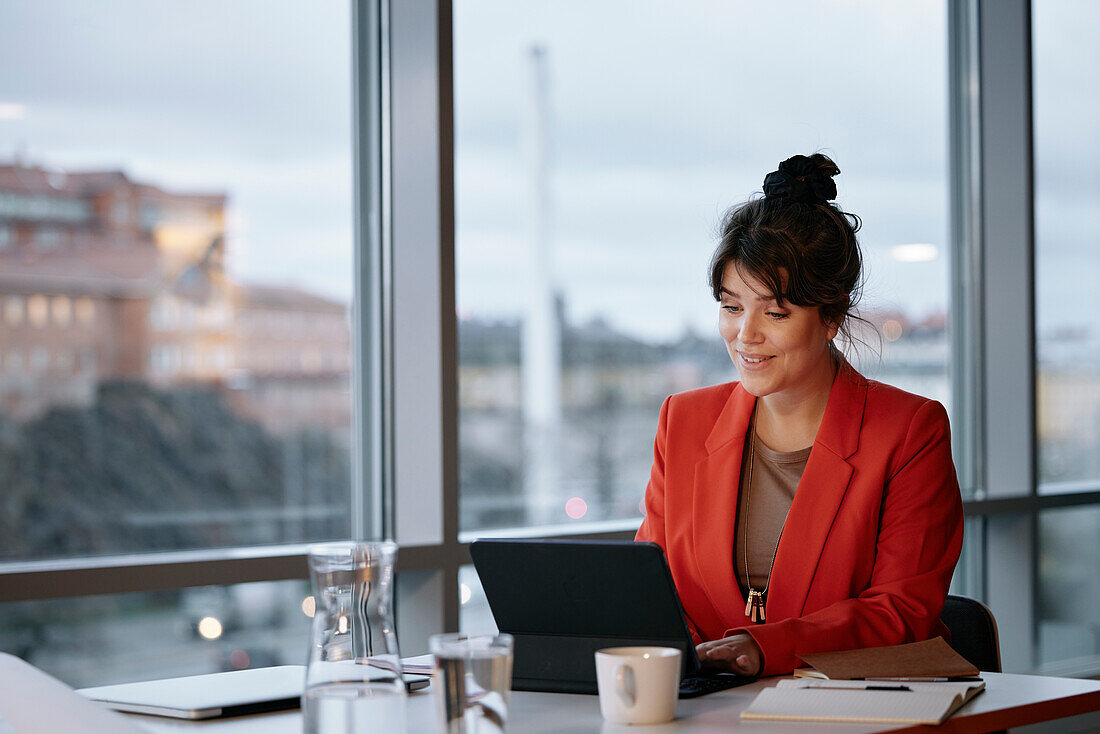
(473, 676)
(353, 675)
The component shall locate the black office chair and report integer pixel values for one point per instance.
(973, 632)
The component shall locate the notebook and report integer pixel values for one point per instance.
(802, 699)
(929, 659)
(564, 599)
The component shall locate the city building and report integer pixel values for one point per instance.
(105, 278)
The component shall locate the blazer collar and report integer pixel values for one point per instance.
(840, 426)
(819, 496)
(843, 417)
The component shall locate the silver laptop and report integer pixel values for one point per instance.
(215, 695)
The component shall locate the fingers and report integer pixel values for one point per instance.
(733, 654)
(721, 657)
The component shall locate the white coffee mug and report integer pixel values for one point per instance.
(638, 685)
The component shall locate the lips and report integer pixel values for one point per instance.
(754, 360)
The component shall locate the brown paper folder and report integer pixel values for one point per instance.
(928, 659)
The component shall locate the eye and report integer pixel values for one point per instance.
(778, 316)
(731, 309)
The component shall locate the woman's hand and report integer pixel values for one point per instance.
(736, 654)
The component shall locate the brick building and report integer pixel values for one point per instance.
(103, 277)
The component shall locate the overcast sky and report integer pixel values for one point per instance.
(666, 114)
(663, 115)
(251, 98)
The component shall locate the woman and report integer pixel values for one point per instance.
(804, 508)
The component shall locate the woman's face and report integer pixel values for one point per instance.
(778, 351)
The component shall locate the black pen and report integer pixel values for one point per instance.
(859, 688)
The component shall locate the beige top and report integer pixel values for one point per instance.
(762, 508)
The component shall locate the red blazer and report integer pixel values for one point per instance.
(873, 534)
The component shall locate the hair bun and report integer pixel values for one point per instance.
(803, 179)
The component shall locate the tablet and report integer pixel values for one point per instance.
(561, 600)
(215, 695)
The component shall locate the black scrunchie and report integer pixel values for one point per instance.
(802, 179)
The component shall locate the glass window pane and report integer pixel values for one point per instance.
(474, 614)
(99, 640)
(969, 577)
(175, 250)
(1069, 591)
(1067, 228)
(594, 158)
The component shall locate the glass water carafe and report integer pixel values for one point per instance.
(353, 675)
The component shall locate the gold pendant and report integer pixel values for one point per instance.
(754, 607)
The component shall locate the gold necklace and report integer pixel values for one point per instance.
(754, 605)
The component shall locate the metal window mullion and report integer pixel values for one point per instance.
(424, 406)
(456, 553)
(135, 574)
(369, 463)
(385, 450)
(1008, 320)
(967, 358)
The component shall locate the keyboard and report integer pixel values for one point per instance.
(701, 685)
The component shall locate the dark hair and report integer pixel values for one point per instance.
(795, 242)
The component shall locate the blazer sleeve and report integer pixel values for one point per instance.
(653, 525)
(917, 546)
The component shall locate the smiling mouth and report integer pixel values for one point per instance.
(754, 360)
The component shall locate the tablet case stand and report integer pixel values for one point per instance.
(563, 600)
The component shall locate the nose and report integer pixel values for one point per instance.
(750, 332)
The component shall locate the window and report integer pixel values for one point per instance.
(62, 309)
(590, 174)
(48, 238)
(13, 310)
(207, 173)
(38, 310)
(85, 311)
(1067, 266)
(212, 155)
(117, 638)
(14, 361)
(1067, 263)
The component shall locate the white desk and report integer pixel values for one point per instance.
(1008, 701)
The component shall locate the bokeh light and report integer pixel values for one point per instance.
(12, 111)
(576, 508)
(892, 330)
(210, 628)
(239, 659)
(918, 252)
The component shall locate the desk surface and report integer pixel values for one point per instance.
(1008, 701)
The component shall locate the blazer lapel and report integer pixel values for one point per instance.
(714, 502)
(819, 496)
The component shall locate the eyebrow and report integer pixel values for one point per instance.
(759, 298)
